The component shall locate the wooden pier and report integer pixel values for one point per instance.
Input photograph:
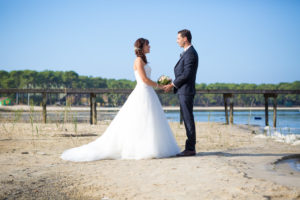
(227, 95)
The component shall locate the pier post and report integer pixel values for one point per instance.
(266, 109)
(274, 110)
(93, 111)
(231, 110)
(44, 104)
(225, 97)
(225, 105)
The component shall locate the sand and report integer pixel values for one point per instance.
(231, 163)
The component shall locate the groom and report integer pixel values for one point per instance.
(184, 85)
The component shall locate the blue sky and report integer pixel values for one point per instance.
(255, 41)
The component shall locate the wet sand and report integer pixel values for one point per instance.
(231, 163)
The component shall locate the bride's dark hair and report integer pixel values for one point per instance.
(138, 48)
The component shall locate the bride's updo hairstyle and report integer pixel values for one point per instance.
(138, 48)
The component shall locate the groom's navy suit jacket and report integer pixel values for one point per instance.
(185, 73)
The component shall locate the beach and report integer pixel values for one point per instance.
(232, 162)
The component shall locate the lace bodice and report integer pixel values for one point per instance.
(139, 79)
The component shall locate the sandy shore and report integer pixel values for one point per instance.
(231, 163)
(166, 108)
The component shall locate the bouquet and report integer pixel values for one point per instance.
(164, 80)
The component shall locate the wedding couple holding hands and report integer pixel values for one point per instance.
(140, 129)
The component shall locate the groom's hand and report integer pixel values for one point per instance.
(168, 87)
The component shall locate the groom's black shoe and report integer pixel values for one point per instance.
(186, 153)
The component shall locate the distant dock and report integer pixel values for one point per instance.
(26, 108)
(228, 96)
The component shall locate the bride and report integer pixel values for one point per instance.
(140, 130)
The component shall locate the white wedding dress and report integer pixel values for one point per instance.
(140, 130)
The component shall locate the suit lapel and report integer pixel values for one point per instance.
(185, 53)
(178, 61)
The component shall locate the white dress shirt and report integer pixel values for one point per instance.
(185, 49)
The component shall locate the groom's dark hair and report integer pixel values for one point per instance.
(186, 33)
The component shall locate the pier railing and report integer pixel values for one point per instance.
(227, 95)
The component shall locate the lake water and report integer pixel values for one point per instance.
(285, 118)
(288, 121)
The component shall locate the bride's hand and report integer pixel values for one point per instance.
(161, 87)
(167, 88)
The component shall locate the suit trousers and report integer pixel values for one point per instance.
(186, 105)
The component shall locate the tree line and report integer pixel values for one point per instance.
(70, 79)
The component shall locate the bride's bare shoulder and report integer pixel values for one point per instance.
(138, 62)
